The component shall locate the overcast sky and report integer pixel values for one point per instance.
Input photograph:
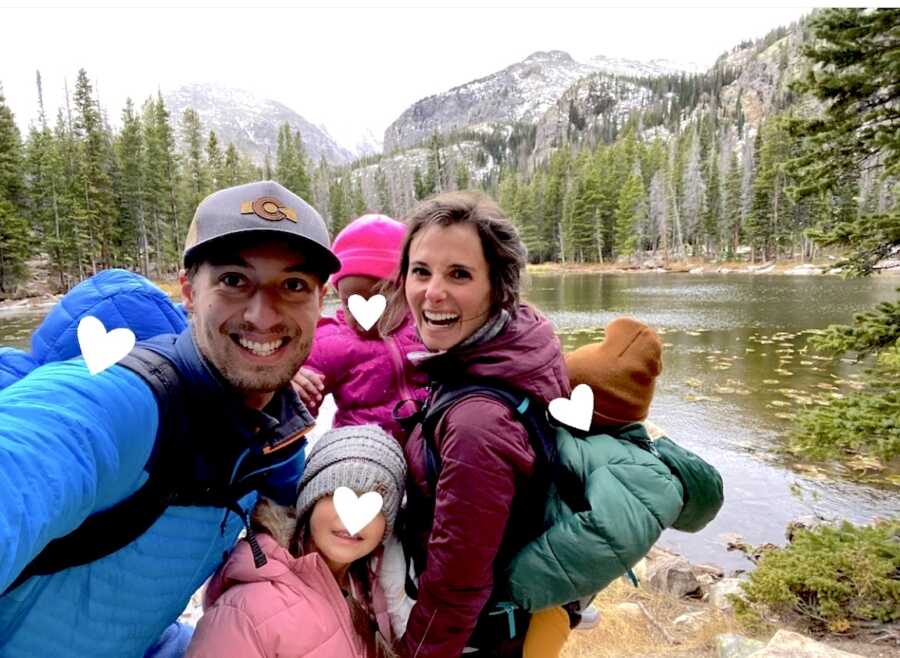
(351, 70)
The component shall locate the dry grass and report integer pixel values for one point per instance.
(626, 634)
(170, 286)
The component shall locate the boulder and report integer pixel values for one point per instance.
(672, 575)
(691, 621)
(736, 646)
(787, 644)
(630, 611)
(719, 593)
(806, 522)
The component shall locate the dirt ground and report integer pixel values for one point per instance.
(624, 632)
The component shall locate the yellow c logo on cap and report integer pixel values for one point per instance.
(270, 208)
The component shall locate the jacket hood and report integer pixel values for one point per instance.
(117, 298)
(526, 356)
(240, 567)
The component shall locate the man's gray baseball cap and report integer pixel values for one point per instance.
(263, 207)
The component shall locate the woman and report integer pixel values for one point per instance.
(459, 277)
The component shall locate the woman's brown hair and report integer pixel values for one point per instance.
(503, 249)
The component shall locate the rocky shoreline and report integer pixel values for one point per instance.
(679, 610)
(697, 266)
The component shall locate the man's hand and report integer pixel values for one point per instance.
(309, 386)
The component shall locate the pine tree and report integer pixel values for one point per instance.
(14, 232)
(733, 207)
(45, 175)
(215, 164)
(231, 174)
(385, 202)
(302, 184)
(631, 214)
(659, 213)
(435, 172)
(338, 204)
(551, 210)
(422, 187)
(95, 211)
(712, 208)
(758, 224)
(358, 206)
(854, 56)
(132, 161)
(526, 213)
(693, 195)
(582, 230)
(162, 207)
(463, 179)
(195, 177)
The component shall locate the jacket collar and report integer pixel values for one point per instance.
(283, 419)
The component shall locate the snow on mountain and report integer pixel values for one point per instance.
(519, 93)
(638, 69)
(249, 122)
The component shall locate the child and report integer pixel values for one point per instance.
(367, 373)
(318, 594)
(632, 487)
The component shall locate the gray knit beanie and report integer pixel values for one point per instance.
(361, 457)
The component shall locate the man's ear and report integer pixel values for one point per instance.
(322, 290)
(187, 291)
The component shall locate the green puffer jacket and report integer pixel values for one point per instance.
(613, 498)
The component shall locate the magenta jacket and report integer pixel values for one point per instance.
(367, 376)
(482, 510)
(288, 608)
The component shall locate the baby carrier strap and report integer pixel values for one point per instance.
(500, 622)
(109, 530)
(532, 416)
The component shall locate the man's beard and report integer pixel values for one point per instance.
(252, 378)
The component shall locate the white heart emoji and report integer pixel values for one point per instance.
(366, 311)
(575, 411)
(356, 513)
(100, 348)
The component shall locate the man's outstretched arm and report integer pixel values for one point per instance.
(71, 443)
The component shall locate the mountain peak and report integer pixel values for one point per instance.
(249, 122)
(556, 56)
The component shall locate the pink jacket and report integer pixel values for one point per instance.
(367, 376)
(289, 608)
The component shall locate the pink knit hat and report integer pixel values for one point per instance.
(369, 246)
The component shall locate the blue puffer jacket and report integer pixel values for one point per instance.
(71, 444)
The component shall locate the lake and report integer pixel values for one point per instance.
(736, 368)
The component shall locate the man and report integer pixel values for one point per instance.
(192, 426)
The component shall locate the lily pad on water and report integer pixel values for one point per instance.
(782, 371)
(693, 382)
(784, 415)
(702, 398)
(772, 382)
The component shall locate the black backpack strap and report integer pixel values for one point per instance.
(109, 530)
(532, 417)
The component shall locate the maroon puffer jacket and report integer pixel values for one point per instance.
(487, 462)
